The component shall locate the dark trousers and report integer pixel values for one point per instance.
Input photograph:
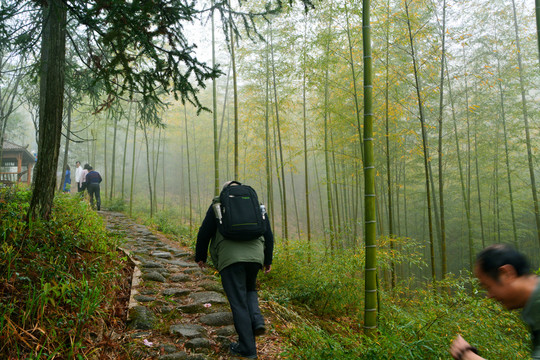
(93, 189)
(239, 282)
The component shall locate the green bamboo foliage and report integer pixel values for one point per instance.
(370, 311)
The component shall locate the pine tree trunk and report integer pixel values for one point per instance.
(51, 100)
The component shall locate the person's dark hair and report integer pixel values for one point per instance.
(86, 166)
(77, 162)
(68, 168)
(493, 257)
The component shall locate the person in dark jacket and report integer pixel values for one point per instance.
(238, 263)
(93, 179)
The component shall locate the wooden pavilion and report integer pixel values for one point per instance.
(16, 157)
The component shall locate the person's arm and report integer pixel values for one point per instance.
(206, 232)
(268, 246)
(462, 350)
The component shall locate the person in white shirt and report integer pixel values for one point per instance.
(82, 180)
(78, 173)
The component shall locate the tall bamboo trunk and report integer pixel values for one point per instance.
(355, 90)
(461, 176)
(214, 111)
(188, 174)
(370, 270)
(306, 170)
(113, 164)
(105, 173)
(530, 157)
(133, 165)
(478, 183)
(268, 152)
(387, 130)
(125, 149)
(155, 169)
(282, 166)
(148, 168)
(444, 268)
(424, 144)
(537, 14)
(235, 95)
(329, 197)
(507, 157)
(68, 136)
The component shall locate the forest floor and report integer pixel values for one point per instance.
(175, 309)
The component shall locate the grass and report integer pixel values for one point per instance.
(59, 280)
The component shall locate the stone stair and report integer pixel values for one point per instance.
(176, 310)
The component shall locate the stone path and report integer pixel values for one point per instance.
(176, 311)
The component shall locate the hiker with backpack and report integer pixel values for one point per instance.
(237, 231)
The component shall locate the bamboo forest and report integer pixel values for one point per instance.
(393, 144)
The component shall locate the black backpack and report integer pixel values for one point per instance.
(242, 217)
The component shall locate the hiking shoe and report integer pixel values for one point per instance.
(235, 352)
(259, 330)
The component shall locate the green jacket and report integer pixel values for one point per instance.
(225, 252)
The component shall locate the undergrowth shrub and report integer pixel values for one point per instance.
(56, 277)
(115, 204)
(417, 320)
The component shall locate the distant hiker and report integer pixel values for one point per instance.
(237, 229)
(93, 178)
(78, 173)
(506, 276)
(82, 180)
(67, 180)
